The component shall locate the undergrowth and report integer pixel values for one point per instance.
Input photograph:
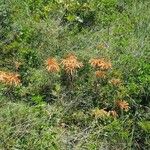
(74, 74)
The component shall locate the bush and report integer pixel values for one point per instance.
(86, 60)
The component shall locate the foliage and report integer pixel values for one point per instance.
(74, 74)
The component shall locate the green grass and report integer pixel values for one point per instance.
(26, 127)
(45, 112)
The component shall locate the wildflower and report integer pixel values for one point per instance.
(100, 63)
(123, 105)
(71, 63)
(52, 65)
(113, 113)
(100, 74)
(100, 113)
(115, 82)
(9, 78)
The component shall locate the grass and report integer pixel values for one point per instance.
(54, 111)
(28, 127)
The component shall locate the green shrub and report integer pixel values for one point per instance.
(33, 31)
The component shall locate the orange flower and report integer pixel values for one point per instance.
(100, 113)
(100, 74)
(100, 63)
(115, 82)
(71, 63)
(9, 78)
(123, 105)
(52, 65)
(113, 113)
(2, 75)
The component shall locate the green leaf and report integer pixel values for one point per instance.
(145, 125)
(71, 18)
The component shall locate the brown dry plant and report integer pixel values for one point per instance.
(100, 63)
(52, 65)
(115, 82)
(100, 74)
(10, 78)
(123, 105)
(71, 64)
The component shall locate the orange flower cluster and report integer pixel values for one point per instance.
(71, 63)
(9, 78)
(100, 113)
(100, 63)
(123, 105)
(52, 65)
(100, 74)
(115, 82)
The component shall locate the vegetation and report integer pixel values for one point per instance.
(74, 74)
